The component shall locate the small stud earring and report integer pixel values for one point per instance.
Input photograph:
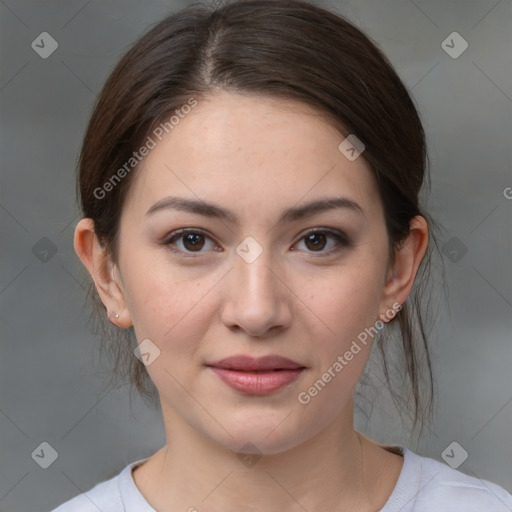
(115, 313)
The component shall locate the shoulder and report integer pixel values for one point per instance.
(442, 488)
(107, 496)
(103, 496)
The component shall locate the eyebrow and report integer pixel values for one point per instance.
(288, 215)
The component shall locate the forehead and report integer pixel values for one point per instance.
(252, 154)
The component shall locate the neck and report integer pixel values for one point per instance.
(336, 469)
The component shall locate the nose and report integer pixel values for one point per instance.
(257, 298)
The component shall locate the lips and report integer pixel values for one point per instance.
(257, 376)
(261, 364)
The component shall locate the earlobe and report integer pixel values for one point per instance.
(102, 271)
(407, 261)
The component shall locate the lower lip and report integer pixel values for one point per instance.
(257, 383)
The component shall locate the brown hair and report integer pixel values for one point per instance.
(290, 49)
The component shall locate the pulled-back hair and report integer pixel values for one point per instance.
(288, 49)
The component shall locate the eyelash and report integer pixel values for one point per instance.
(340, 237)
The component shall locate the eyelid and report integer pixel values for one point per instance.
(343, 240)
(330, 231)
(180, 233)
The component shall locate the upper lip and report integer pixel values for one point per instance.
(247, 363)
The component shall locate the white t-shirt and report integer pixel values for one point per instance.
(424, 485)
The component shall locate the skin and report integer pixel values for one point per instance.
(255, 156)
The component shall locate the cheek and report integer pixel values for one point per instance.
(349, 302)
(166, 303)
(348, 307)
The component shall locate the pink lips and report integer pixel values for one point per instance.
(257, 376)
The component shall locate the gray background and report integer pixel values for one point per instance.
(51, 389)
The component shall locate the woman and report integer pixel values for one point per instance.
(249, 183)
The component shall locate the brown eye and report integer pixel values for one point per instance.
(193, 241)
(317, 240)
(187, 241)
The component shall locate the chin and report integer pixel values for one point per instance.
(262, 434)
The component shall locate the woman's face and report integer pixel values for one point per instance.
(250, 283)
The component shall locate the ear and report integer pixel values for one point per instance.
(103, 272)
(401, 275)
